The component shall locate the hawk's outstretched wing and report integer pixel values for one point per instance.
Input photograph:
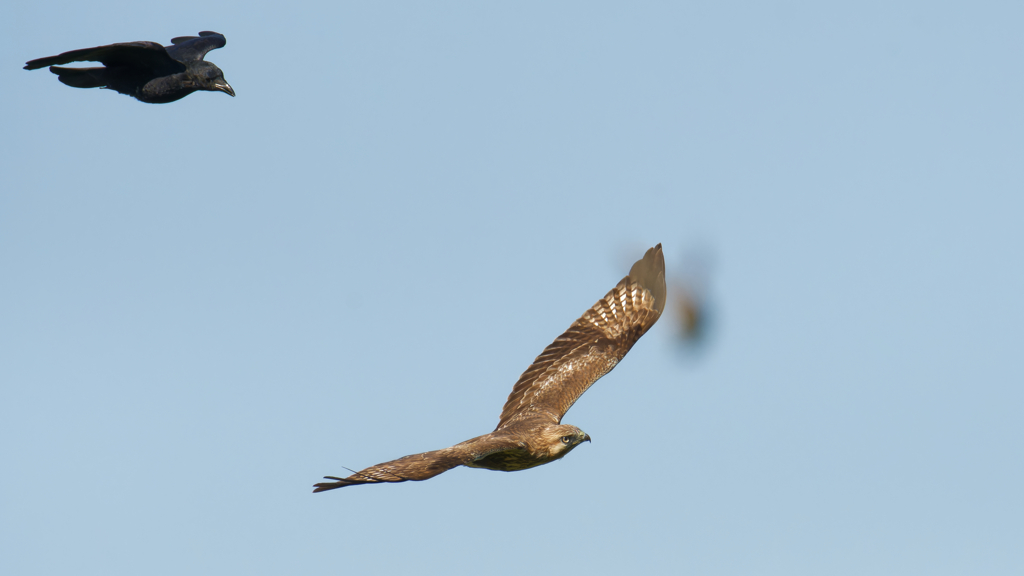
(592, 346)
(426, 464)
(414, 467)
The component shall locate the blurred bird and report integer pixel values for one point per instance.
(530, 431)
(145, 70)
(690, 311)
(690, 300)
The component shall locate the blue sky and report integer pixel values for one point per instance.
(210, 304)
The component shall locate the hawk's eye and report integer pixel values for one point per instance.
(567, 439)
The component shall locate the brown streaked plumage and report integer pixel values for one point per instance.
(530, 432)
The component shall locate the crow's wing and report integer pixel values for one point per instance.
(145, 55)
(592, 346)
(194, 48)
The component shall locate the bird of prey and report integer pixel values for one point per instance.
(530, 432)
(145, 70)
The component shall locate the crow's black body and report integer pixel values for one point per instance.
(145, 70)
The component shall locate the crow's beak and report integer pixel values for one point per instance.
(225, 88)
(586, 438)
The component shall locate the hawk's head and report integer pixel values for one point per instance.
(560, 439)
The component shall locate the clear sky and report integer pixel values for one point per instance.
(209, 305)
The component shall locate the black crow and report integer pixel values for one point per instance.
(146, 70)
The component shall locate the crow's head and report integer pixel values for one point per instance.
(207, 76)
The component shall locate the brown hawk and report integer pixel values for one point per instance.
(530, 432)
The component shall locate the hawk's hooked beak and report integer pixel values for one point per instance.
(225, 88)
(586, 438)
